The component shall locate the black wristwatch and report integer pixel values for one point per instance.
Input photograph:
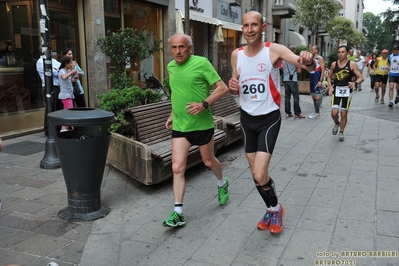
(205, 104)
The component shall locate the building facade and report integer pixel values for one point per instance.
(75, 24)
(215, 26)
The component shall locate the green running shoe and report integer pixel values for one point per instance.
(223, 192)
(175, 219)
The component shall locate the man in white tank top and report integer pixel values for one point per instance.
(256, 79)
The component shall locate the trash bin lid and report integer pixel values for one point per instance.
(81, 116)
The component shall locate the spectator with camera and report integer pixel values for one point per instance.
(290, 82)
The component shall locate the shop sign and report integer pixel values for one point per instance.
(204, 7)
(228, 12)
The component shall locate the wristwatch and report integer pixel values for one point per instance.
(205, 104)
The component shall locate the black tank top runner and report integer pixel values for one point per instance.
(342, 76)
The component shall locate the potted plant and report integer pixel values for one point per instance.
(125, 47)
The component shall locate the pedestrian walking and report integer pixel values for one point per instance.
(290, 82)
(371, 71)
(256, 80)
(191, 121)
(342, 71)
(56, 103)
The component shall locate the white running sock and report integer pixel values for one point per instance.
(275, 208)
(179, 207)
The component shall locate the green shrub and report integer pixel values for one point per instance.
(332, 57)
(117, 101)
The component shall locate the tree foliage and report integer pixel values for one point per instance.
(340, 28)
(373, 25)
(315, 14)
(343, 29)
(381, 30)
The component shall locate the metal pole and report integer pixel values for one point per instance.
(187, 18)
(50, 159)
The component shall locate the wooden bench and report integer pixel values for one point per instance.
(227, 109)
(151, 152)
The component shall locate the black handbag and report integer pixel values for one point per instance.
(76, 89)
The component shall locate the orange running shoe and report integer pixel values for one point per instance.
(277, 220)
(264, 223)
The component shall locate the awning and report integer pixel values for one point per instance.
(230, 26)
(205, 19)
(218, 36)
(179, 21)
(296, 39)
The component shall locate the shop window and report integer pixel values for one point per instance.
(62, 29)
(200, 36)
(147, 18)
(224, 53)
(111, 6)
(20, 85)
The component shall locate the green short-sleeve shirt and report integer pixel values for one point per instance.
(191, 82)
(352, 57)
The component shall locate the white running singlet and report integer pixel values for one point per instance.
(259, 82)
(394, 65)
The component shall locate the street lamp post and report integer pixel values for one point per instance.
(50, 159)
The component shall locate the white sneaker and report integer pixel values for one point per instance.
(341, 136)
(314, 116)
(335, 129)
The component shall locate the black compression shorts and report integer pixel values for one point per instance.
(260, 132)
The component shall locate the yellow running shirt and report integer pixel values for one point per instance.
(382, 66)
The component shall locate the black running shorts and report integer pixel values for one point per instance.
(260, 132)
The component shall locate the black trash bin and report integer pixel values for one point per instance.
(82, 152)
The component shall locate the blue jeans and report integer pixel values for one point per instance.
(291, 88)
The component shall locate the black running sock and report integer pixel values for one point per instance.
(268, 193)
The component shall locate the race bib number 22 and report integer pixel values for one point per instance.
(342, 91)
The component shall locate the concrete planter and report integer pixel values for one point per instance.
(134, 159)
(304, 87)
